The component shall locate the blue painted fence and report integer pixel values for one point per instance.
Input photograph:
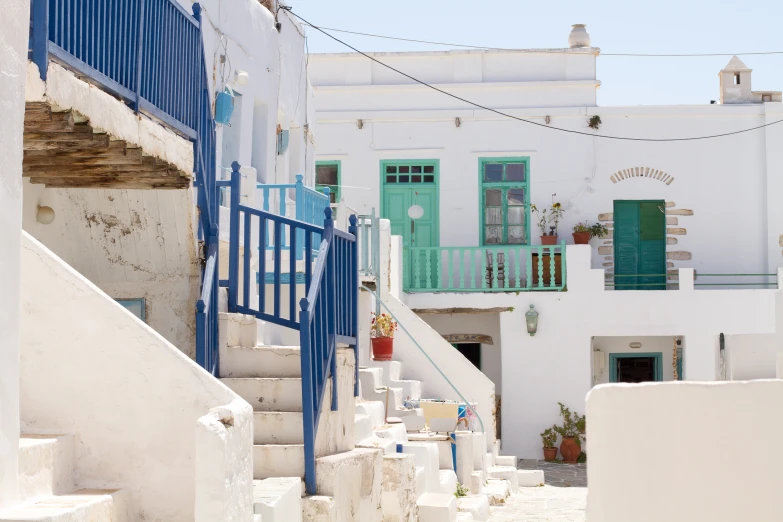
(327, 311)
(150, 54)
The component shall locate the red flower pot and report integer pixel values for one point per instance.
(581, 238)
(548, 240)
(570, 450)
(382, 348)
(550, 454)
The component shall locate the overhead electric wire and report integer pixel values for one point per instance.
(553, 51)
(505, 114)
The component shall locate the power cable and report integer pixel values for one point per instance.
(553, 51)
(506, 115)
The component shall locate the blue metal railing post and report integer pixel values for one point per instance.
(308, 409)
(300, 213)
(353, 270)
(233, 242)
(40, 36)
(331, 302)
(139, 51)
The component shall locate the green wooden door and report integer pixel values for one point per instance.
(639, 245)
(404, 184)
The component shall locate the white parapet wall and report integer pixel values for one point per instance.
(13, 58)
(680, 452)
(133, 400)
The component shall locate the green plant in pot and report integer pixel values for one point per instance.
(549, 439)
(583, 232)
(571, 431)
(551, 215)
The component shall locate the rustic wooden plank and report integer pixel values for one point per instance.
(112, 184)
(114, 147)
(79, 158)
(39, 111)
(63, 122)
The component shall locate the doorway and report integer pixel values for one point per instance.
(635, 367)
(403, 184)
(471, 351)
(640, 245)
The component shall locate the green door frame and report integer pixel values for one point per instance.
(626, 280)
(504, 185)
(658, 356)
(332, 190)
(436, 217)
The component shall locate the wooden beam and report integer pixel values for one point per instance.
(113, 184)
(498, 309)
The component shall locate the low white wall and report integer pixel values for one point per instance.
(14, 29)
(474, 385)
(89, 367)
(679, 452)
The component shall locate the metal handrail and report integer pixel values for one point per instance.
(467, 403)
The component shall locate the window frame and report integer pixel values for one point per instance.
(332, 190)
(503, 186)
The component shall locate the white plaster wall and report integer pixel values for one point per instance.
(752, 356)
(483, 324)
(14, 27)
(131, 244)
(555, 364)
(607, 345)
(131, 397)
(648, 442)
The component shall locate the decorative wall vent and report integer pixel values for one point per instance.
(641, 172)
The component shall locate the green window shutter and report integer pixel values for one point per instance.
(626, 243)
(652, 243)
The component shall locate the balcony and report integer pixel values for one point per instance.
(507, 268)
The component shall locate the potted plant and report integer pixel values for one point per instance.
(549, 439)
(554, 215)
(583, 232)
(571, 431)
(382, 337)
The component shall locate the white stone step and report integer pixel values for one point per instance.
(437, 507)
(391, 377)
(448, 480)
(477, 479)
(497, 491)
(506, 460)
(421, 481)
(373, 409)
(464, 517)
(278, 499)
(278, 427)
(398, 490)
(269, 394)
(278, 460)
(318, 508)
(260, 361)
(45, 465)
(426, 457)
(88, 505)
(507, 473)
(476, 505)
(362, 426)
(530, 478)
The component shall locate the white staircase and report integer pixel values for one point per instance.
(47, 491)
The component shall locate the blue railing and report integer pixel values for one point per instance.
(328, 299)
(150, 54)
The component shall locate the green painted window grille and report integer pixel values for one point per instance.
(505, 201)
(327, 174)
(409, 173)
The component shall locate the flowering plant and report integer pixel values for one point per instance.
(383, 326)
(555, 214)
(541, 219)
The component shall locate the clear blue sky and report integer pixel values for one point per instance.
(665, 26)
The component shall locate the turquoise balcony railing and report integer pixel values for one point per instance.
(507, 268)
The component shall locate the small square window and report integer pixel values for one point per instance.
(493, 172)
(429, 179)
(404, 179)
(405, 170)
(416, 170)
(135, 306)
(736, 78)
(515, 172)
(391, 169)
(429, 169)
(416, 179)
(327, 175)
(391, 179)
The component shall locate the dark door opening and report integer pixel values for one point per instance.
(472, 351)
(635, 369)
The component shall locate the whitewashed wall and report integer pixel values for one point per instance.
(555, 364)
(90, 368)
(402, 121)
(14, 16)
(685, 445)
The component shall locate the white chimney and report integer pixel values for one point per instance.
(579, 36)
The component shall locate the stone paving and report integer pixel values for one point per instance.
(560, 475)
(546, 503)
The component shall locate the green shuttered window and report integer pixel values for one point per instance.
(640, 245)
(504, 200)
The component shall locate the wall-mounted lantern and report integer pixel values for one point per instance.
(531, 320)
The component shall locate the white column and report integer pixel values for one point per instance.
(14, 28)
(701, 357)
(686, 277)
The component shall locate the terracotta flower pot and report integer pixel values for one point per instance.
(548, 240)
(382, 348)
(581, 238)
(550, 454)
(570, 450)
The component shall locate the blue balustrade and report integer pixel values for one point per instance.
(150, 55)
(328, 297)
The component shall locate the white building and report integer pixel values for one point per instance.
(672, 208)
